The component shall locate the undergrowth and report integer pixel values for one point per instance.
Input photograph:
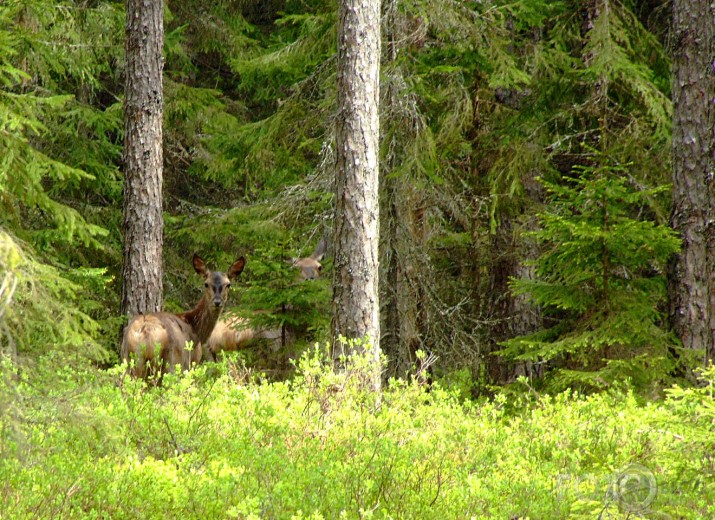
(219, 442)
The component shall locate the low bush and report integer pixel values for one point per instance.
(218, 442)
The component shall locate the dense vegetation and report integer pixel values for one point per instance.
(223, 445)
(525, 157)
(483, 104)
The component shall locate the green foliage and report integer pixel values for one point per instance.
(93, 444)
(43, 307)
(601, 281)
(694, 408)
(269, 132)
(25, 170)
(478, 99)
(55, 143)
(58, 171)
(596, 76)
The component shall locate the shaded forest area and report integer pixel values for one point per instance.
(524, 197)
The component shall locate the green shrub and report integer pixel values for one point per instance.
(83, 443)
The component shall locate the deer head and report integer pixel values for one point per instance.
(310, 267)
(216, 283)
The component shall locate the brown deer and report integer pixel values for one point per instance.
(310, 267)
(159, 339)
(236, 333)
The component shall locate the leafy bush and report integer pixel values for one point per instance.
(83, 443)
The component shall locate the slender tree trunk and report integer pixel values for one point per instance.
(401, 215)
(692, 288)
(355, 301)
(143, 111)
(402, 294)
(389, 291)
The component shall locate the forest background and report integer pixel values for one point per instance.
(524, 144)
(525, 168)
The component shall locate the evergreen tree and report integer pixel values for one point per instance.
(600, 282)
(57, 149)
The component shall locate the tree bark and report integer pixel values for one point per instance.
(143, 159)
(692, 283)
(401, 214)
(355, 299)
(509, 315)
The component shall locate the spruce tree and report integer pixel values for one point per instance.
(600, 281)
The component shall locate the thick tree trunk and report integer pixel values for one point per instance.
(692, 288)
(355, 300)
(143, 111)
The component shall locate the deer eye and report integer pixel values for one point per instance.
(228, 285)
(320, 268)
(206, 284)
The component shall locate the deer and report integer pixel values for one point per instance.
(235, 332)
(159, 340)
(310, 266)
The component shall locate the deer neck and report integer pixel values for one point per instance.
(202, 319)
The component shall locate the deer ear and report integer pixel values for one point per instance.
(236, 268)
(320, 250)
(199, 264)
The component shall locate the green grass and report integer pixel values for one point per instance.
(78, 442)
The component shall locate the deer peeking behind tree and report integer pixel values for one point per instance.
(158, 341)
(236, 333)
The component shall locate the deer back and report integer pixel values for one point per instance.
(232, 333)
(236, 333)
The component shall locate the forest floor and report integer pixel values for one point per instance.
(220, 442)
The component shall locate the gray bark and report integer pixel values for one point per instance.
(143, 112)
(355, 299)
(692, 288)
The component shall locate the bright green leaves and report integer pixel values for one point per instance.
(43, 305)
(322, 446)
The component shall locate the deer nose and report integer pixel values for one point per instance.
(218, 302)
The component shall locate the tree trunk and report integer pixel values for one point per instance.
(509, 315)
(692, 284)
(402, 294)
(401, 215)
(355, 299)
(143, 111)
